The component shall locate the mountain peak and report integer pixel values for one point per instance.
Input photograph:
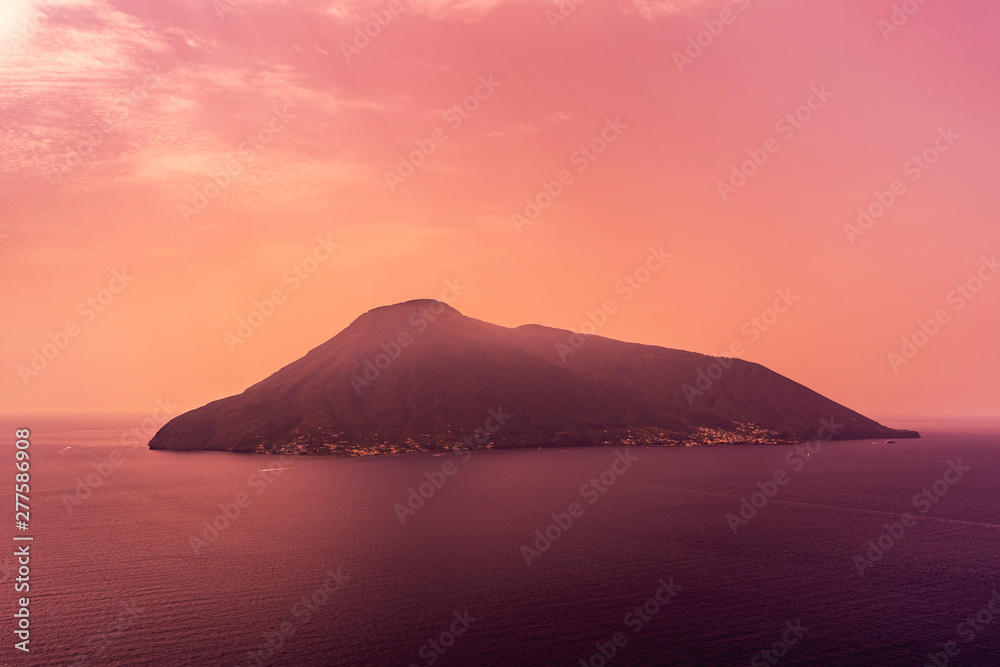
(414, 304)
(405, 315)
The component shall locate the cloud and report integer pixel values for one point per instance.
(473, 10)
(655, 9)
(86, 106)
(88, 62)
(458, 10)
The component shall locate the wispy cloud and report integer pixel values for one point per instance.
(654, 9)
(473, 10)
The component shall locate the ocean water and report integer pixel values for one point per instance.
(118, 575)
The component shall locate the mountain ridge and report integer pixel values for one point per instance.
(419, 375)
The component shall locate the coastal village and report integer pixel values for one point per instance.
(341, 444)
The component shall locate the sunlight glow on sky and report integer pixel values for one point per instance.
(178, 162)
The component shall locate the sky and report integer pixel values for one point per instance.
(197, 192)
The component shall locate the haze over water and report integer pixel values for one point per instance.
(124, 555)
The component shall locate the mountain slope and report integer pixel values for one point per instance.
(420, 375)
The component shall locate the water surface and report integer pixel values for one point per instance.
(117, 579)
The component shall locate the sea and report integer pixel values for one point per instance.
(836, 553)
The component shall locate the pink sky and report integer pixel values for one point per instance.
(116, 113)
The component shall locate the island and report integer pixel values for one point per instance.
(420, 376)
